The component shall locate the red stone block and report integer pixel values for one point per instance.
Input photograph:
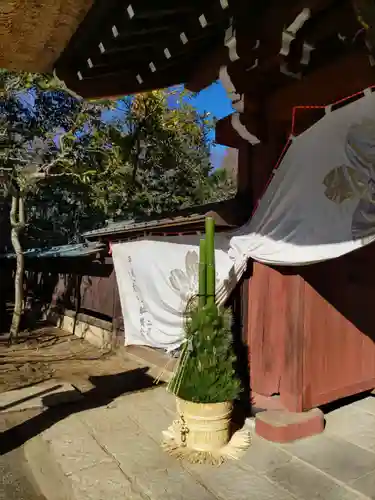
(281, 426)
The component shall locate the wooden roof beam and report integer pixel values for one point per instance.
(314, 89)
(272, 21)
(124, 34)
(157, 13)
(226, 135)
(319, 36)
(207, 69)
(226, 132)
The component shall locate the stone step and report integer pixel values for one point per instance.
(39, 396)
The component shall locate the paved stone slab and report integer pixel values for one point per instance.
(305, 482)
(147, 413)
(354, 425)
(263, 456)
(342, 418)
(229, 482)
(46, 471)
(156, 395)
(73, 447)
(151, 416)
(334, 456)
(366, 404)
(43, 395)
(165, 399)
(114, 451)
(157, 475)
(103, 482)
(104, 419)
(366, 485)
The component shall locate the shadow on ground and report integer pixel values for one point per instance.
(107, 388)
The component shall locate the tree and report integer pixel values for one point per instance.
(45, 134)
(169, 167)
(68, 165)
(162, 164)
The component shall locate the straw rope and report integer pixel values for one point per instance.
(33, 33)
(173, 443)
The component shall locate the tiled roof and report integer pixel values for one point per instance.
(63, 251)
(193, 215)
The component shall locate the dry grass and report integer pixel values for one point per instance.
(33, 33)
(51, 353)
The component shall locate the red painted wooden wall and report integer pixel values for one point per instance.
(311, 330)
(312, 334)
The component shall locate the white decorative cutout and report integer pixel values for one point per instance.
(152, 67)
(183, 38)
(79, 74)
(202, 20)
(306, 53)
(139, 79)
(236, 98)
(290, 33)
(130, 11)
(286, 40)
(167, 53)
(89, 63)
(115, 31)
(285, 71)
(299, 21)
(242, 130)
(101, 48)
(224, 4)
(230, 42)
(227, 82)
(239, 105)
(253, 66)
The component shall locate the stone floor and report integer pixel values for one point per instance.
(113, 452)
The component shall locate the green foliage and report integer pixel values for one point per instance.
(170, 156)
(221, 185)
(79, 163)
(53, 146)
(206, 372)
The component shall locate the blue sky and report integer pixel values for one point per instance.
(214, 99)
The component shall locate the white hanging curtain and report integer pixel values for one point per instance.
(156, 277)
(319, 205)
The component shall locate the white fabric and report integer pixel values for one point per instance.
(319, 205)
(155, 278)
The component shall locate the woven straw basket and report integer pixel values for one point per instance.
(208, 425)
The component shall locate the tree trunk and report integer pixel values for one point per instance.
(17, 220)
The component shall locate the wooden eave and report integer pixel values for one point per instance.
(264, 66)
(121, 48)
(227, 214)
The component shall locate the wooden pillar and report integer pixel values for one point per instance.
(275, 295)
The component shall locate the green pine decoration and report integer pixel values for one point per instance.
(205, 372)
